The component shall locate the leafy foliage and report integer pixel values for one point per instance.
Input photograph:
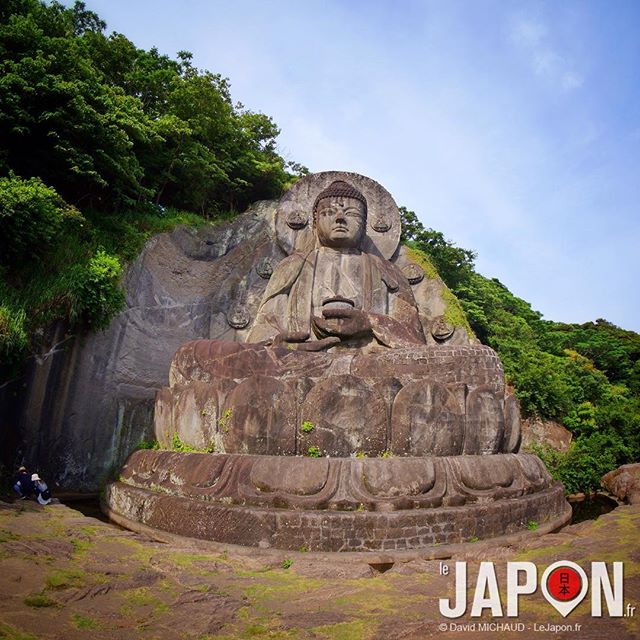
(31, 216)
(454, 265)
(586, 376)
(98, 295)
(102, 144)
(111, 125)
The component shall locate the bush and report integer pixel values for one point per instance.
(540, 379)
(31, 216)
(13, 335)
(97, 294)
(588, 459)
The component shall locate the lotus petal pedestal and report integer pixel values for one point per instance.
(336, 504)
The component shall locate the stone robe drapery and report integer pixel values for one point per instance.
(385, 296)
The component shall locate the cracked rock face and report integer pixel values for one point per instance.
(87, 405)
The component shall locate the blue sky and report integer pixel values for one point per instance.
(512, 127)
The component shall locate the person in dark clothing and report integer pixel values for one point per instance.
(22, 483)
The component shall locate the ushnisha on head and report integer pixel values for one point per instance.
(340, 216)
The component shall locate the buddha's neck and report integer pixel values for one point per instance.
(350, 251)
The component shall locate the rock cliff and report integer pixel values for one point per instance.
(87, 402)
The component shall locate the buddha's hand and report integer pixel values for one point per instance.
(300, 341)
(343, 322)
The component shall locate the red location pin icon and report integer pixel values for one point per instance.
(564, 585)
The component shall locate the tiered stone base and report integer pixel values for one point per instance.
(235, 397)
(336, 504)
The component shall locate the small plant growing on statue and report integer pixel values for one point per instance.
(304, 548)
(176, 443)
(532, 525)
(183, 447)
(149, 444)
(474, 539)
(225, 420)
(307, 426)
(360, 454)
(286, 563)
(314, 452)
(386, 454)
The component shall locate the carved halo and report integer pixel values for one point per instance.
(297, 203)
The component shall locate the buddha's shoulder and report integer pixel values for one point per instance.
(292, 264)
(384, 265)
(286, 272)
(392, 275)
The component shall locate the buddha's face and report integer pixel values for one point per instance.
(340, 222)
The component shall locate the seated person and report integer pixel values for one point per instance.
(22, 484)
(41, 490)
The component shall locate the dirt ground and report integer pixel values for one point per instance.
(67, 576)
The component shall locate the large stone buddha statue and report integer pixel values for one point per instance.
(348, 415)
(336, 294)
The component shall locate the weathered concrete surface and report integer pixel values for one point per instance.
(624, 483)
(94, 581)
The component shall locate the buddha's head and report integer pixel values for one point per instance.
(340, 216)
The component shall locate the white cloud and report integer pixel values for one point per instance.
(545, 61)
(528, 33)
(571, 80)
(533, 39)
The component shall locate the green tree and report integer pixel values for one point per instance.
(454, 264)
(134, 140)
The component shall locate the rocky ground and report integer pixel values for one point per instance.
(64, 575)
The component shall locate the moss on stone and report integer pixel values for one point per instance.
(66, 579)
(85, 622)
(7, 535)
(354, 630)
(454, 313)
(9, 632)
(552, 551)
(423, 260)
(39, 600)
